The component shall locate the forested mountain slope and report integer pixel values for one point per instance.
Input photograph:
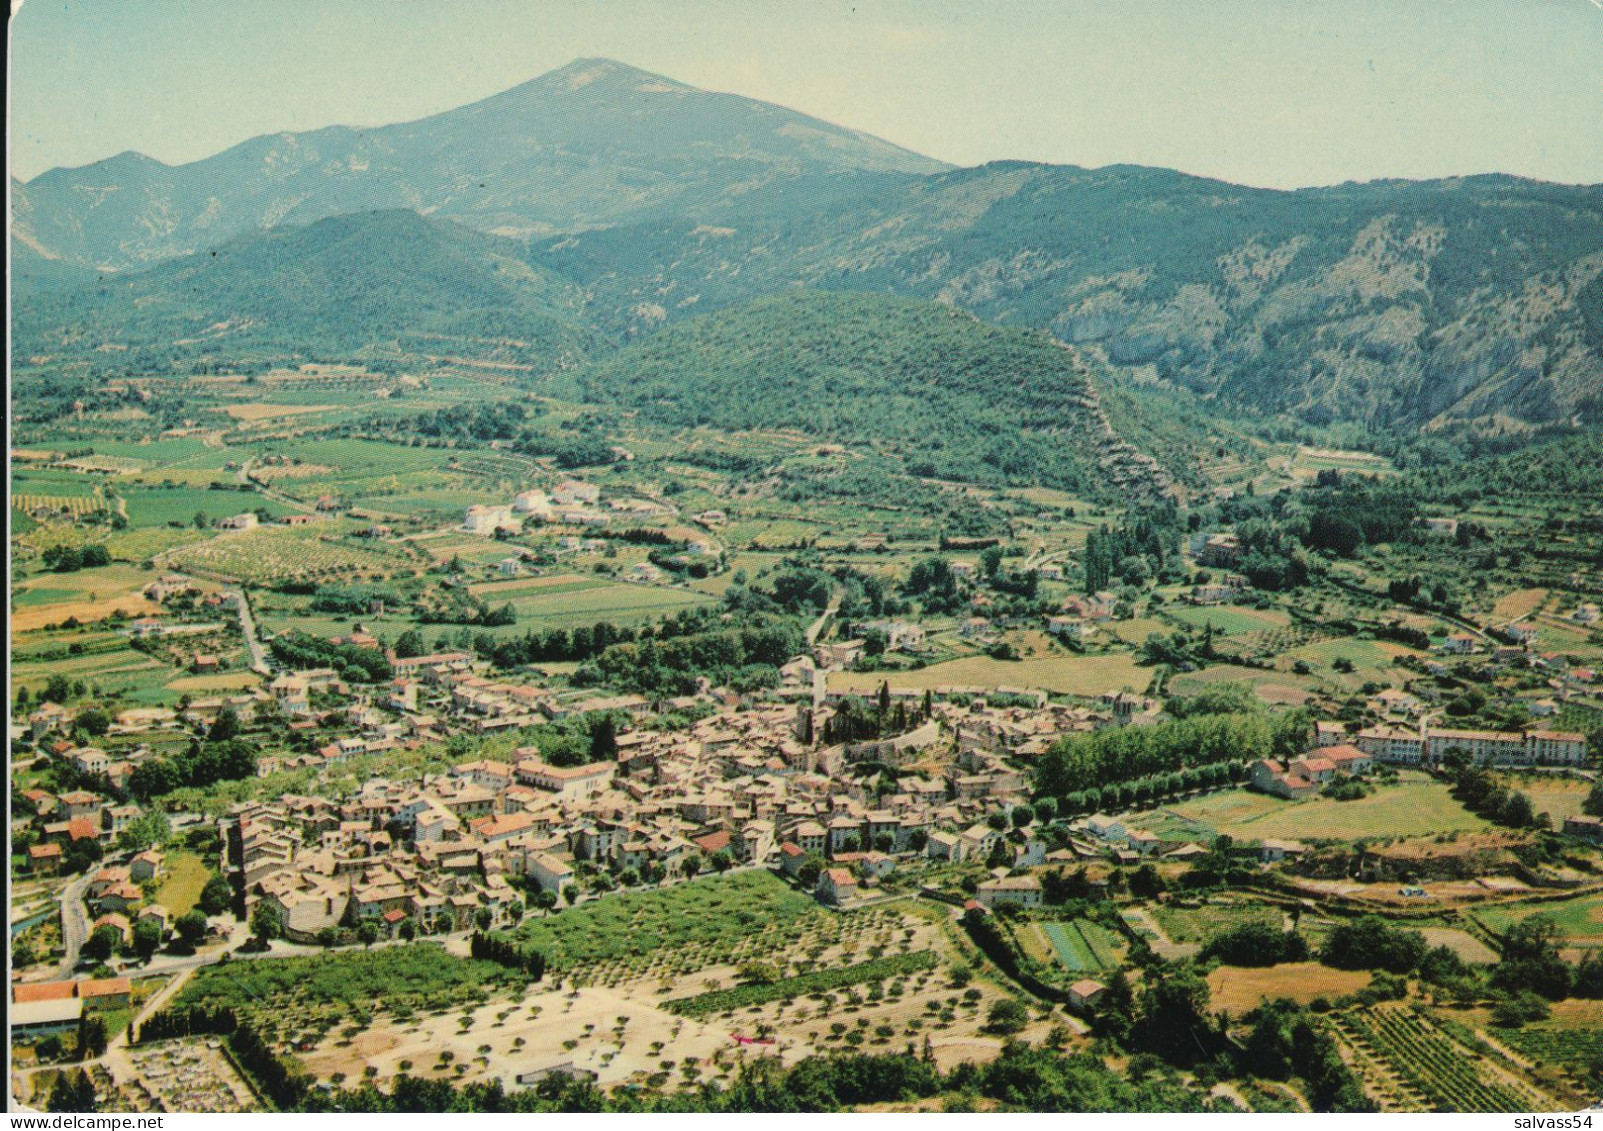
(1392, 303)
(955, 397)
(391, 281)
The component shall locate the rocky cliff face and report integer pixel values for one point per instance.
(1393, 304)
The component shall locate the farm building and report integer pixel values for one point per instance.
(1019, 891)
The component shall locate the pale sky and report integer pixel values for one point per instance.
(1280, 93)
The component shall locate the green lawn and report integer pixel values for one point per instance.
(1414, 807)
(181, 886)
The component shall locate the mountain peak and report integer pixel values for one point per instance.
(605, 74)
(592, 143)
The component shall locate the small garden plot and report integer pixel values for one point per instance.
(1199, 924)
(1082, 945)
(1416, 1064)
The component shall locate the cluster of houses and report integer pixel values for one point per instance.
(1305, 776)
(744, 784)
(571, 502)
(61, 820)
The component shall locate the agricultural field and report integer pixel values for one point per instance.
(1187, 924)
(1580, 919)
(1371, 660)
(1241, 989)
(1412, 1064)
(85, 595)
(1416, 806)
(814, 983)
(278, 553)
(118, 671)
(1460, 942)
(868, 980)
(306, 997)
(163, 506)
(1518, 604)
(1228, 620)
(1556, 796)
(1061, 674)
(1570, 1046)
(707, 919)
(1273, 688)
(617, 602)
(1308, 462)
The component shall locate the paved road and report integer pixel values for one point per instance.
(74, 923)
(247, 626)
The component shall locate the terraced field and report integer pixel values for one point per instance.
(1581, 919)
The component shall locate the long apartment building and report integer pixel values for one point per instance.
(1428, 746)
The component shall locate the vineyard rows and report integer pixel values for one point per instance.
(74, 505)
(1573, 1050)
(1417, 1066)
